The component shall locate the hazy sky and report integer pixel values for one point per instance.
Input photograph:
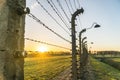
(104, 12)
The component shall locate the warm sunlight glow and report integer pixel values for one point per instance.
(42, 49)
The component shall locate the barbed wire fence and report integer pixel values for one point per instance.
(63, 16)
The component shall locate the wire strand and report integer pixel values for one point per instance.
(52, 17)
(75, 4)
(46, 43)
(63, 10)
(39, 21)
(60, 15)
(54, 8)
(80, 22)
(71, 6)
(78, 3)
(68, 7)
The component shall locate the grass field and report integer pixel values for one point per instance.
(114, 62)
(116, 59)
(45, 68)
(104, 71)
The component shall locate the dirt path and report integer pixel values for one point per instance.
(65, 75)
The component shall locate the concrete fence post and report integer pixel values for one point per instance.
(12, 26)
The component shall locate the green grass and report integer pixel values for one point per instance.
(116, 59)
(115, 62)
(104, 71)
(45, 68)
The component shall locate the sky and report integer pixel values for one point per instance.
(104, 12)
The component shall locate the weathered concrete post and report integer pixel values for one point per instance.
(12, 24)
(74, 55)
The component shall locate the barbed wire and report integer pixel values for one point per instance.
(75, 4)
(71, 6)
(47, 43)
(39, 21)
(52, 16)
(78, 21)
(63, 10)
(78, 1)
(58, 13)
(68, 7)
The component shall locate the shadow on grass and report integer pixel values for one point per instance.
(103, 71)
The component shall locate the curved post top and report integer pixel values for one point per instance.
(76, 13)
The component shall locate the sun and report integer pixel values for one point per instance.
(42, 49)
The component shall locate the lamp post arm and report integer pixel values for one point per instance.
(91, 26)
